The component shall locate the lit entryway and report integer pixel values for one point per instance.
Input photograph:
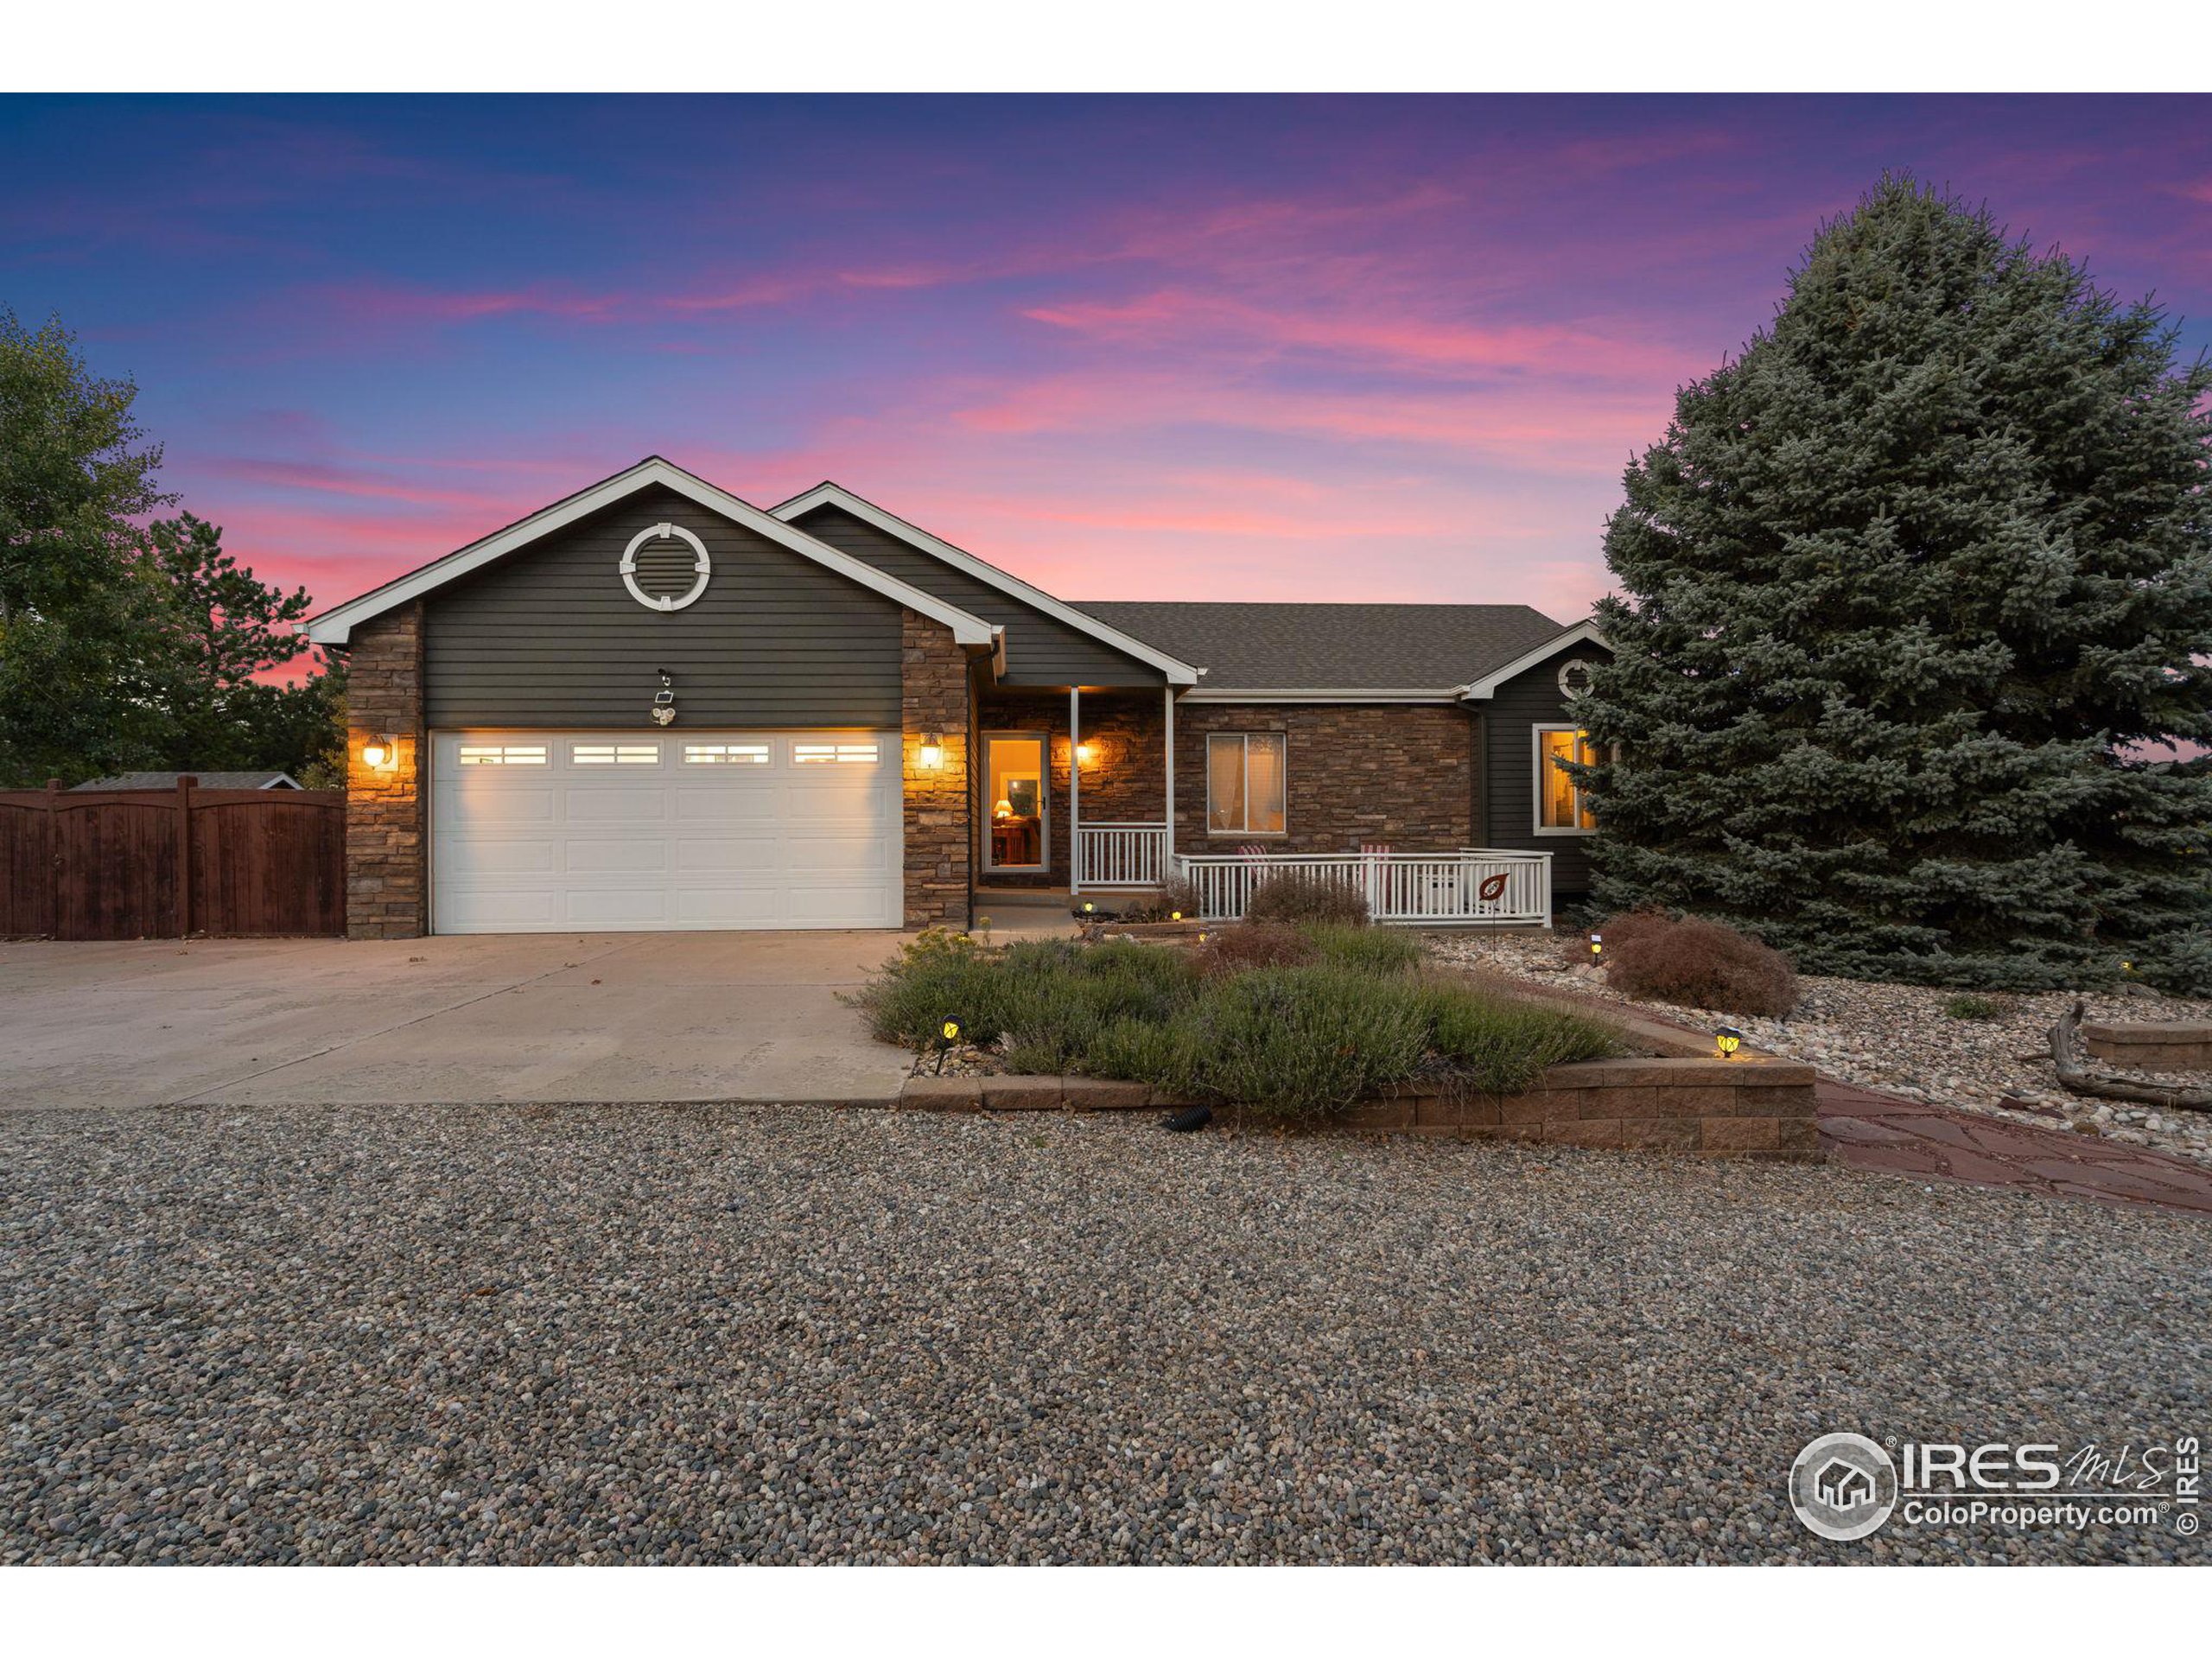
(617, 832)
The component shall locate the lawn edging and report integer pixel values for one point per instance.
(1748, 1107)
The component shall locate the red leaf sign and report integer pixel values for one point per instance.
(1493, 887)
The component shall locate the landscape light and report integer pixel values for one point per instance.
(951, 1030)
(1597, 946)
(1727, 1040)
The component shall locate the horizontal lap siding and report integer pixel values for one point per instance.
(1519, 706)
(1039, 649)
(551, 636)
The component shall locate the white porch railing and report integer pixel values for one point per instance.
(1120, 855)
(1477, 885)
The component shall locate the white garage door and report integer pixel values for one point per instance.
(613, 831)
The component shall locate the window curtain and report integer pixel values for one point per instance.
(1225, 783)
(1264, 771)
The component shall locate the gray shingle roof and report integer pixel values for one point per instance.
(207, 780)
(1270, 647)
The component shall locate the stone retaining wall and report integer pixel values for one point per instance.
(1744, 1108)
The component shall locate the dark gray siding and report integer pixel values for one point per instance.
(1039, 650)
(550, 637)
(1519, 706)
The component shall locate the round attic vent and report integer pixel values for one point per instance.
(665, 567)
(1574, 676)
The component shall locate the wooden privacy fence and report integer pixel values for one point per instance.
(159, 863)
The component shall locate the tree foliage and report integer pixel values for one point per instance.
(1916, 590)
(127, 642)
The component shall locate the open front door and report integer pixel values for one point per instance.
(1017, 812)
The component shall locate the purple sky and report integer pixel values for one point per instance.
(1194, 348)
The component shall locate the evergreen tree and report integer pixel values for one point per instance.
(81, 611)
(226, 627)
(1913, 588)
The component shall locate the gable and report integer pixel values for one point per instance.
(551, 636)
(335, 626)
(1040, 650)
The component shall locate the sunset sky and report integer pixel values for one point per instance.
(1197, 348)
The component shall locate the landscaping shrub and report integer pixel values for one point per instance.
(1968, 1006)
(1368, 950)
(1343, 1020)
(1176, 899)
(1294, 896)
(1255, 944)
(1499, 1048)
(1299, 1042)
(1697, 964)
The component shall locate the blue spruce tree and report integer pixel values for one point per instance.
(1917, 608)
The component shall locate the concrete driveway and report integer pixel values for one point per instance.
(541, 1017)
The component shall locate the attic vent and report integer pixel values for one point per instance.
(665, 567)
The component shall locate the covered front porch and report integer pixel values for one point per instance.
(1078, 794)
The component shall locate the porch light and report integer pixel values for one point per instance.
(1727, 1040)
(932, 755)
(1086, 753)
(381, 753)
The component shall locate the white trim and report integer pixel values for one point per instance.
(829, 494)
(335, 626)
(1579, 633)
(1447, 694)
(701, 566)
(1537, 826)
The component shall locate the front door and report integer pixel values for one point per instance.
(1015, 808)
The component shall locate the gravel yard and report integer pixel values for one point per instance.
(786, 1334)
(1898, 1038)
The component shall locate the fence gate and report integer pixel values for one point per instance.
(157, 863)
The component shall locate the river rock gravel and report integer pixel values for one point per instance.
(1901, 1039)
(699, 1333)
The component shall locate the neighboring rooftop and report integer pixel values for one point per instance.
(207, 780)
(1280, 647)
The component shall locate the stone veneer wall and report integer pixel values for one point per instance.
(934, 697)
(387, 863)
(1125, 781)
(1396, 773)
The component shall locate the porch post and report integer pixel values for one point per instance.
(1075, 790)
(1167, 851)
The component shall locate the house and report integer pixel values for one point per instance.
(1844, 1485)
(654, 705)
(205, 779)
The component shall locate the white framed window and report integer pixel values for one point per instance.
(1560, 808)
(614, 754)
(820, 754)
(1246, 783)
(503, 754)
(725, 754)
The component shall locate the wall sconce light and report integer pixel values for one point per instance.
(1727, 1040)
(381, 752)
(933, 752)
(1086, 753)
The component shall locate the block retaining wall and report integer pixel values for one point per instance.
(1744, 1108)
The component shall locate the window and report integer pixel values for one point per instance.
(1561, 810)
(614, 754)
(725, 754)
(503, 754)
(1245, 782)
(816, 754)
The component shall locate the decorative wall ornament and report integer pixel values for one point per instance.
(664, 699)
(1573, 675)
(700, 564)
